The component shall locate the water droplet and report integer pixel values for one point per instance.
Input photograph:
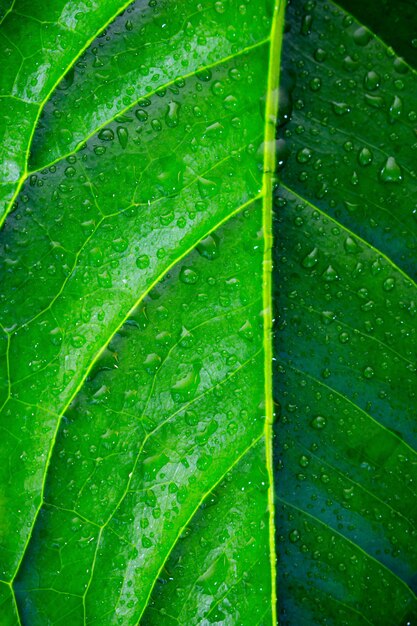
(391, 172)
(246, 331)
(340, 108)
(330, 274)
(185, 388)
(306, 24)
(106, 134)
(141, 115)
(152, 363)
(78, 341)
(315, 84)
(319, 422)
(204, 75)
(294, 536)
(143, 261)
(311, 259)
(372, 80)
(188, 276)
(350, 245)
(304, 155)
(104, 280)
(207, 188)
(208, 247)
(395, 109)
(344, 337)
(230, 103)
(368, 372)
(172, 115)
(361, 36)
(123, 136)
(365, 157)
(320, 55)
(119, 244)
(388, 284)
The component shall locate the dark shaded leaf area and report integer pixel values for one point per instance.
(345, 302)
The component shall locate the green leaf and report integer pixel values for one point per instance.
(138, 307)
(38, 45)
(345, 332)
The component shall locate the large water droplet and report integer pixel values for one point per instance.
(391, 172)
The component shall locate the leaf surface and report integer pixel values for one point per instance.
(178, 403)
(38, 45)
(345, 332)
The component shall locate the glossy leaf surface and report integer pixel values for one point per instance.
(39, 42)
(177, 404)
(346, 332)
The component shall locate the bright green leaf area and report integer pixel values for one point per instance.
(346, 343)
(135, 310)
(39, 42)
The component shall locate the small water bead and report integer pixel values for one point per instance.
(388, 284)
(330, 274)
(78, 341)
(306, 24)
(106, 134)
(294, 536)
(365, 157)
(320, 55)
(141, 115)
(376, 102)
(341, 108)
(319, 422)
(188, 276)
(217, 88)
(119, 244)
(70, 172)
(206, 187)
(208, 247)
(172, 114)
(391, 172)
(156, 125)
(185, 388)
(204, 75)
(304, 155)
(152, 363)
(400, 66)
(104, 280)
(303, 461)
(315, 84)
(372, 80)
(350, 245)
(344, 337)
(143, 261)
(350, 64)
(368, 372)
(123, 136)
(246, 331)
(361, 36)
(311, 259)
(396, 108)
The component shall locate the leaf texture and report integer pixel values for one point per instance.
(135, 304)
(39, 42)
(345, 332)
